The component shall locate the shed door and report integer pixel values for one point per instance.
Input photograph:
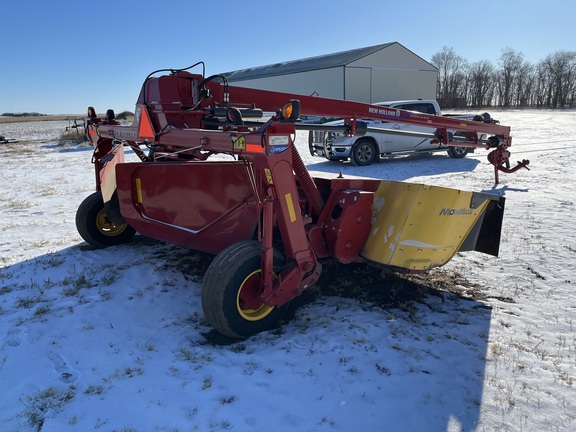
(357, 84)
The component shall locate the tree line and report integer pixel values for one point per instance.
(514, 82)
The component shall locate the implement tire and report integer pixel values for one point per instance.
(231, 281)
(94, 226)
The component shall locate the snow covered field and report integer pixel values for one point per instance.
(114, 340)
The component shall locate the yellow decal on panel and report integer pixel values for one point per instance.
(239, 143)
(290, 205)
(268, 176)
(138, 191)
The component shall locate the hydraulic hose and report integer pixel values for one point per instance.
(307, 182)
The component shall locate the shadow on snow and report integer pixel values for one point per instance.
(445, 323)
(401, 168)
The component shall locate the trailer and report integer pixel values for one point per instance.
(219, 172)
(4, 140)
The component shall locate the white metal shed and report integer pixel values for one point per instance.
(372, 74)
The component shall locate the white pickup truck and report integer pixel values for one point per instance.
(368, 148)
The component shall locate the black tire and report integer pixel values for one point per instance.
(458, 152)
(234, 269)
(363, 153)
(311, 147)
(95, 228)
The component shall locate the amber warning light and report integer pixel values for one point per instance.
(291, 110)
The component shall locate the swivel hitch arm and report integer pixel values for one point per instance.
(500, 159)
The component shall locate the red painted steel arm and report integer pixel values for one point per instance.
(317, 106)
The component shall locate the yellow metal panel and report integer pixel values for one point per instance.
(290, 204)
(139, 190)
(417, 227)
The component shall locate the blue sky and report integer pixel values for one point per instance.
(59, 56)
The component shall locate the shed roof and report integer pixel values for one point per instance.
(307, 64)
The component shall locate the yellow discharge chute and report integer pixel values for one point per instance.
(417, 227)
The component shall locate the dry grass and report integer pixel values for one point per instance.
(58, 117)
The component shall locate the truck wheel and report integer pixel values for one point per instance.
(311, 147)
(458, 152)
(363, 153)
(95, 228)
(230, 293)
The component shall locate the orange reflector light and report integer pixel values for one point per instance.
(254, 148)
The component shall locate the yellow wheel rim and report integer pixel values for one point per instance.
(108, 228)
(249, 305)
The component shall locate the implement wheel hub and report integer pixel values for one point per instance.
(249, 303)
(108, 228)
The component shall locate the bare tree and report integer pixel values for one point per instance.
(561, 67)
(515, 82)
(525, 81)
(510, 65)
(543, 88)
(481, 83)
(451, 77)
